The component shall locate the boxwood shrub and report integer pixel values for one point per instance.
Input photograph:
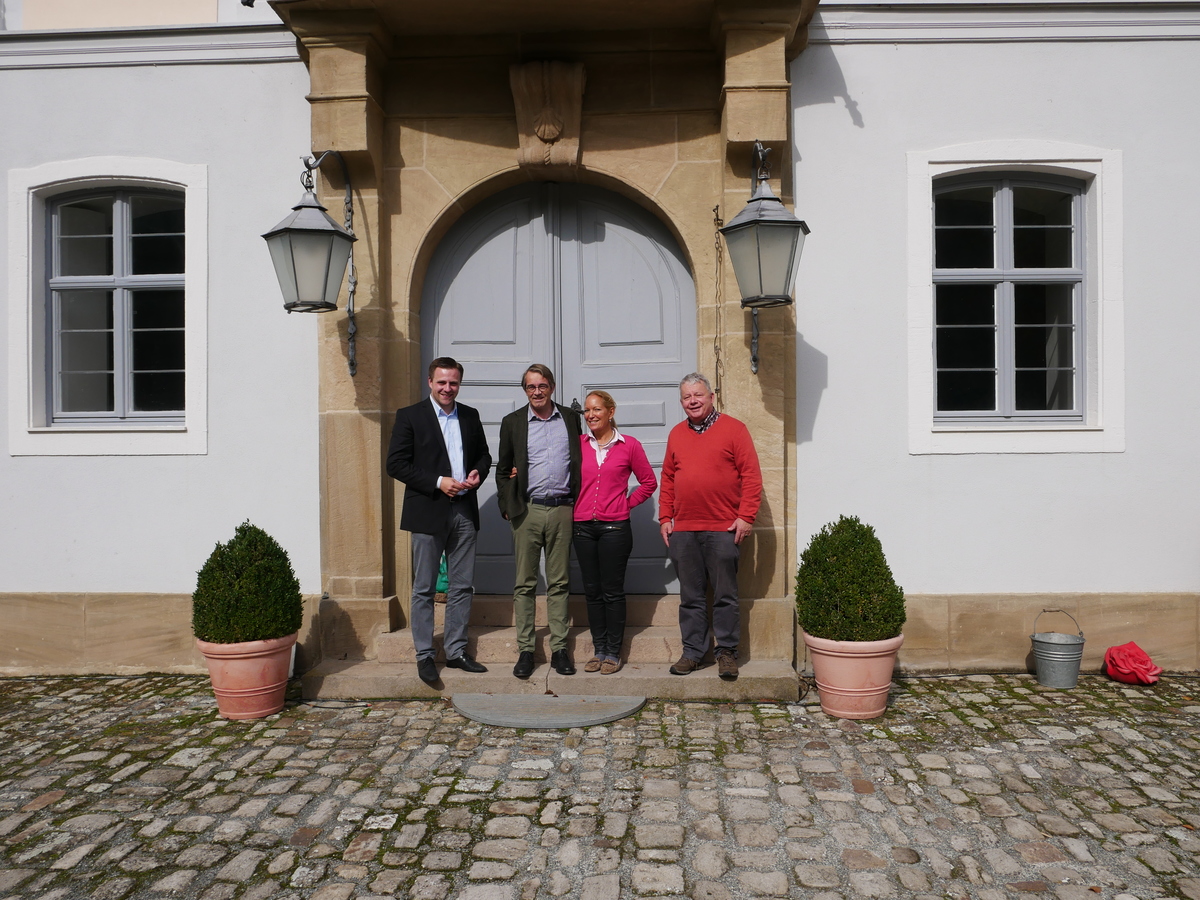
(844, 588)
(246, 591)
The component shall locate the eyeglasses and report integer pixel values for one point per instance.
(537, 388)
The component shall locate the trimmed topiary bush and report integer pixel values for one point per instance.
(844, 588)
(246, 591)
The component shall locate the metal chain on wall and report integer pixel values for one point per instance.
(719, 320)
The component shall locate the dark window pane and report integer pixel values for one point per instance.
(966, 304)
(960, 391)
(1042, 390)
(1041, 347)
(85, 310)
(158, 391)
(1041, 206)
(87, 351)
(1042, 248)
(91, 392)
(969, 206)
(86, 217)
(156, 215)
(157, 350)
(158, 309)
(1043, 304)
(158, 255)
(966, 348)
(85, 256)
(964, 248)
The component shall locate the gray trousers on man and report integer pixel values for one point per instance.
(704, 558)
(458, 543)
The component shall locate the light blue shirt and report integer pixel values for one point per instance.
(549, 456)
(452, 435)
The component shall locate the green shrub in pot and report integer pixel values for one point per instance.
(246, 591)
(844, 587)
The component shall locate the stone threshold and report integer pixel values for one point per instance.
(773, 680)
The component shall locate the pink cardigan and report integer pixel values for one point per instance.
(603, 494)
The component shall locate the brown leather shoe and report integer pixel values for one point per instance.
(727, 666)
(685, 665)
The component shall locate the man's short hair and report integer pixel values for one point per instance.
(445, 362)
(696, 378)
(544, 371)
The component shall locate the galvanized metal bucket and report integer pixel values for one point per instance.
(1057, 656)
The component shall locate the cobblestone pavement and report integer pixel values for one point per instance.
(981, 786)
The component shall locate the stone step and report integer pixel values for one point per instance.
(651, 644)
(759, 679)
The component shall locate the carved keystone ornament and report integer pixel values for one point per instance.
(549, 101)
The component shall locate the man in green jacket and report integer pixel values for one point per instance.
(537, 478)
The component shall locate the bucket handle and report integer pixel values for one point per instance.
(1055, 609)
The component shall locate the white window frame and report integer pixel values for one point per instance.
(30, 192)
(1102, 429)
(1004, 277)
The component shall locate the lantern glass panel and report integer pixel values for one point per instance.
(280, 246)
(743, 255)
(777, 255)
(339, 257)
(311, 255)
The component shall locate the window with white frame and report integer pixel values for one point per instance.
(1008, 293)
(107, 306)
(1032, 344)
(116, 312)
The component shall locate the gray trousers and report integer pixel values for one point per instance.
(704, 558)
(458, 543)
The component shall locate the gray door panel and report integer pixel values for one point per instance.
(595, 287)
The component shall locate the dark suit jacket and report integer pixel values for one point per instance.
(417, 457)
(512, 493)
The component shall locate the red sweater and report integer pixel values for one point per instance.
(710, 479)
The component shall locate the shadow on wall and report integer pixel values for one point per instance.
(812, 377)
(820, 80)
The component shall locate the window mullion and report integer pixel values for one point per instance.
(121, 306)
(1005, 315)
(1005, 349)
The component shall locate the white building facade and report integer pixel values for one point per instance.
(992, 317)
(113, 502)
(1085, 500)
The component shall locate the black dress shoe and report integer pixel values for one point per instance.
(561, 662)
(524, 666)
(465, 663)
(427, 671)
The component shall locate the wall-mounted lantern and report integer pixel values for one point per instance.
(311, 252)
(765, 241)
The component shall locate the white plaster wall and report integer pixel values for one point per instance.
(147, 523)
(1127, 521)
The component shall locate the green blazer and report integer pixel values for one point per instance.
(512, 493)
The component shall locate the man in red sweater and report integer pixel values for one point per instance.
(711, 491)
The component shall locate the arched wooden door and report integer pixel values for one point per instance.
(588, 283)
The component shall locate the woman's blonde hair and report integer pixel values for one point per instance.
(606, 400)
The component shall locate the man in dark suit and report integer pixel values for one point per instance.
(537, 476)
(439, 452)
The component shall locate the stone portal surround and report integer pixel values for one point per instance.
(429, 128)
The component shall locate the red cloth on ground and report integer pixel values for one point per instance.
(1130, 664)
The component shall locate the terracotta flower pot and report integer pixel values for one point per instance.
(249, 679)
(853, 677)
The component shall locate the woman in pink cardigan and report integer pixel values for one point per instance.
(603, 538)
